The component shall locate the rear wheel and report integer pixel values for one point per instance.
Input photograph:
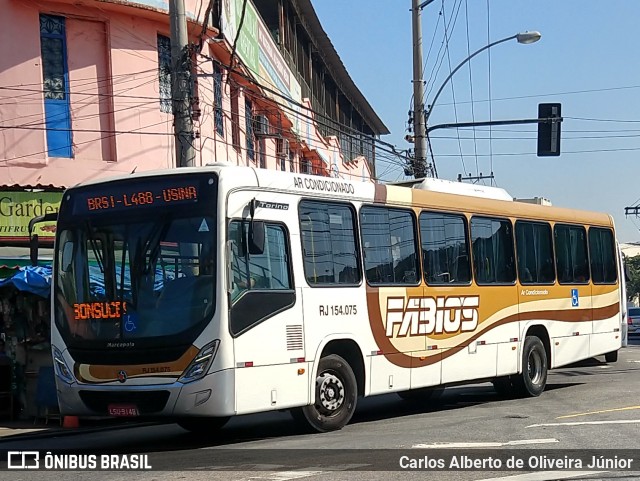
(611, 356)
(336, 396)
(202, 425)
(533, 379)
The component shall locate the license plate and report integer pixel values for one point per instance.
(123, 410)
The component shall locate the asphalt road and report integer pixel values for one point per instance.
(588, 406)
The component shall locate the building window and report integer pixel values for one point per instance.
(164, 72)
(235, 118)
(55, 77)
(329, 248)
(292, 161)
(389, 244)
(263, 153)
(217, 93)
(493, 257)
(305, 166)
(248, 117)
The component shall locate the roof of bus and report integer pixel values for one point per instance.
(383, 193)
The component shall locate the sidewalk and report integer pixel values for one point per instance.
(27, 427)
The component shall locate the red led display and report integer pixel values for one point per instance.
(165, 196)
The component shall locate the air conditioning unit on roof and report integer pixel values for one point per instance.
(260, 125)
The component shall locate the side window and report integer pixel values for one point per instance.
(572, 261)
(445, 250)
(267, 271)
(493, 257)
(534, 248)
(602, 252)
(389, 244)
(329, 249)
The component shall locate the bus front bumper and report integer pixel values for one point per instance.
(212, 395)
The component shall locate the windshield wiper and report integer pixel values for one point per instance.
(94, 247)
(159, 230)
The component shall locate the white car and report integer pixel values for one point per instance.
(633, 320)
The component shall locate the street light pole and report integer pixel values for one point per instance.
(524, 38)
(419, 119)
(181, 85)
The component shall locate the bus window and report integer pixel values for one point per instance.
(389, 241)
(534, 249)
(602, 252)
(266, 271)
(493, 257)
(329, 246)
(445, 250)
(572, 262)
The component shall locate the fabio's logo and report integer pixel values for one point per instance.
(431, 315)
(122, 375)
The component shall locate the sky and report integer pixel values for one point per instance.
(587, 60)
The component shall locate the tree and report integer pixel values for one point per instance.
(633, 284)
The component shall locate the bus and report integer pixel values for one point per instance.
(198, 294)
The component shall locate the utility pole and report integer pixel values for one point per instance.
(419, 127)
(181, 85)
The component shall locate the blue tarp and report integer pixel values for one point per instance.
(36, 280)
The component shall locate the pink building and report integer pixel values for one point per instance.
(86, 92)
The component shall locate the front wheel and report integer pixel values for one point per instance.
(202, 425)
(533, 379)
(336, 396)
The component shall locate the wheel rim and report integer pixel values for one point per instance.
(534, 367)
(331, 393)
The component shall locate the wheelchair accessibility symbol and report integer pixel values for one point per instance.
(575, 301)
(130, 323)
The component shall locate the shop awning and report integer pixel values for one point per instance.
(13, 258)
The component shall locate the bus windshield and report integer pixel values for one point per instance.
(135, 274)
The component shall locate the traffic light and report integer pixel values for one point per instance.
(549, 130)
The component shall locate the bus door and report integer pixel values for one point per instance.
(570, 339)
(265, 307)
(607, 279)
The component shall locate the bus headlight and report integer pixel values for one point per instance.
(62, 371)
(201, 363)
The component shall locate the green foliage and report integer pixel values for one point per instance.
(633, 284)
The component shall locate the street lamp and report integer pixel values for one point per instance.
(420, 116)
(524, 38)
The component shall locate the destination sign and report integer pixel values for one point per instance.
(99, 310)
(144, 193)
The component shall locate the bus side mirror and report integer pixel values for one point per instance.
(33, 249)
(256, 237)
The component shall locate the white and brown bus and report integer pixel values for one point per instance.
(200, 294)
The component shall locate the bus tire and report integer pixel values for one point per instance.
(336, 396)
(611, 356)
(533, 378)
(202, 425)
(425, 394)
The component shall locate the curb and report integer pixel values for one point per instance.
(51, 433)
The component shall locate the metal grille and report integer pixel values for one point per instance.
(294, 338)
(217, 90)
(164, 72)
(52, 33)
